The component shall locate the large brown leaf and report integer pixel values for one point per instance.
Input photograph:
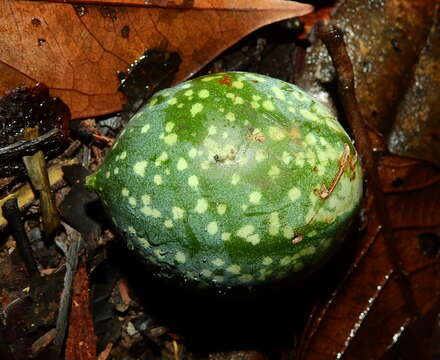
(78, 50)
(368, 312)
(371, 307)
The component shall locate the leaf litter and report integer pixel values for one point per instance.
(367, 299)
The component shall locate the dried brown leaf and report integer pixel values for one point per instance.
(77, 51)
(367, 313)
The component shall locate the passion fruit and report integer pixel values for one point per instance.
(232, 179)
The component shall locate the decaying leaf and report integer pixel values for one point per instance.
(78, 50)
(368, 312)
(416, 131)
(384, 39)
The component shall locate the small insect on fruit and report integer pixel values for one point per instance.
(232, 179)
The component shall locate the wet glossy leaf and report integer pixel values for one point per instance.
(394, 49)
(371, 308)
(416, 131)
(369, 311)
(78, 50)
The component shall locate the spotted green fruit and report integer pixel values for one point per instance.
(232, 179)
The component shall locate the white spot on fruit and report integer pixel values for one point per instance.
(205, 165)
(145, 128)
(246, 232)
(218, 262)
(116, 171)
(234, 269)
(182, 164)
(221, 209)
(246, 278)
(178, 213)
(260, 155)
(286, 158)
(125, 192)
(268, 105)
(196, 108)
(294, 193)
(206, 273)
(235, 179)
(310, 139)
(212, 130)
(132, 201)
(267, 261)
(193, 181)
(139, 168)
(276, 133)
(226, 236)
(286, 260)
(192, 153)
(237, 84)
(168, 223)
(180, 257)
(278, 93)
(238, 100)
(202, 206)
(169, 126)
(170, 139)
(255, 197)
(212, 228)
(274, 223)
(188, 93)
(308, 115)
(157, 179)
(203, 94)
(162, 158)
(288, 232)
(123, 155)
(274, 171)
(172, 101)
(146, 199)
(255, 105)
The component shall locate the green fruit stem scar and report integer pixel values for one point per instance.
(232, 179)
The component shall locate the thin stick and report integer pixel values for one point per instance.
(12, 214)
(334, 41)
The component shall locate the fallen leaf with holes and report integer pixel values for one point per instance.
(78, 50)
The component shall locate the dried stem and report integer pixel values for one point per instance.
(37, 172)
(334, 41)
(21, 148)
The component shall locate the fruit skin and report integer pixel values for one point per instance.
(232, 179)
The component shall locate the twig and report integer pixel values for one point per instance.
(25, 195)
(68, 153)
(334, 41)
(71, 264)
(37, 172)
(22, 148)
(42, 342)
(81, 342)
(12, 214)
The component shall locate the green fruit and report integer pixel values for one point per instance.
(232, 179)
